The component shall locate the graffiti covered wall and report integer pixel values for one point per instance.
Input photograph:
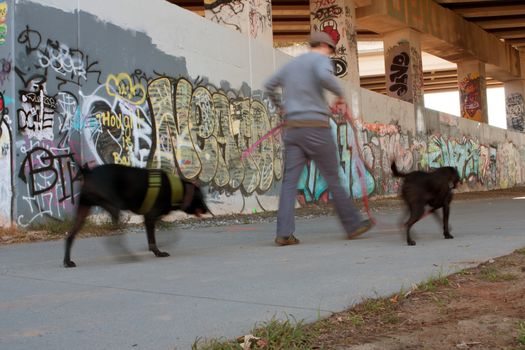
(486, 157)
(6, 124)
(184, 94)
(90, 102)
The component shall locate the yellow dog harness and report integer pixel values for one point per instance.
(154, 183)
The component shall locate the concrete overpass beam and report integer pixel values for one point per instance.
(444, 33)
(473, 90)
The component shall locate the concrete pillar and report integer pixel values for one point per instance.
(473, 90)
(514, 99)
(250, 17)
(403, 65)
(515, 105)
(337, 18)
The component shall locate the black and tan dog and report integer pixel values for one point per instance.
(433, 188)
(151, 193)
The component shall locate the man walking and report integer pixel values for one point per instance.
(307, 134)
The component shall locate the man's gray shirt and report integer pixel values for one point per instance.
(303, 81)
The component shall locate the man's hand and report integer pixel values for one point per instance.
(340, 101)
(339, 105)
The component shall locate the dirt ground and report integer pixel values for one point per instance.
(479, 308)
(57, 229)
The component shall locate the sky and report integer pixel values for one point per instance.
(448, 102)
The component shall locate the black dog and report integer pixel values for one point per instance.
(433, 188)
(152, 193)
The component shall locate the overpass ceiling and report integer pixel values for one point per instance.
(291, 18)
(503, 18)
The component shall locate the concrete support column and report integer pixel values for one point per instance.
(337, 18)
(515, 105)
(514, 99)
(249, 17)
(403, 65)
(473, 90)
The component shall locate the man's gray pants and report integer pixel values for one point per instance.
(318, 145)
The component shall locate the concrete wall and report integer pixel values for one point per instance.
(7, 160)
(99, 82)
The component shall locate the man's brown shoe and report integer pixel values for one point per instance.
(286, 240)
(363, 227)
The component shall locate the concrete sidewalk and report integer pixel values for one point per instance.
(220, 281)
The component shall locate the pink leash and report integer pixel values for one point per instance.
(336, 109)
(269, 134)
(360, 173)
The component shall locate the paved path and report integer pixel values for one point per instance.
(220, 281)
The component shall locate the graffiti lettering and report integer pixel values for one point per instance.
(62, 59)
(225, 12)
(50, 178)
(203, 134)
(322, 3)
(325, 13)
(516, 112)
(70, 65)
(470, 94)
(398, 75)
(31, 39)
(5, 70)
(122, 85)
(260, 17)
(117, 132)
(37, 113)
(340, 67)
(53, 168)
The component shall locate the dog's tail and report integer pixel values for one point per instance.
(395, 171)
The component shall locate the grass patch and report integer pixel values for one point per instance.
(440, 302)
(270, 335)
(491, 274)
(521, 334)
(375, 306)
(521, 251)
(464, 272)
(52, 227)
(390, 318)
(57, 227)
(383, 309)
(214, 344)
(288, 334)
(433, 282)
(356, 320)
